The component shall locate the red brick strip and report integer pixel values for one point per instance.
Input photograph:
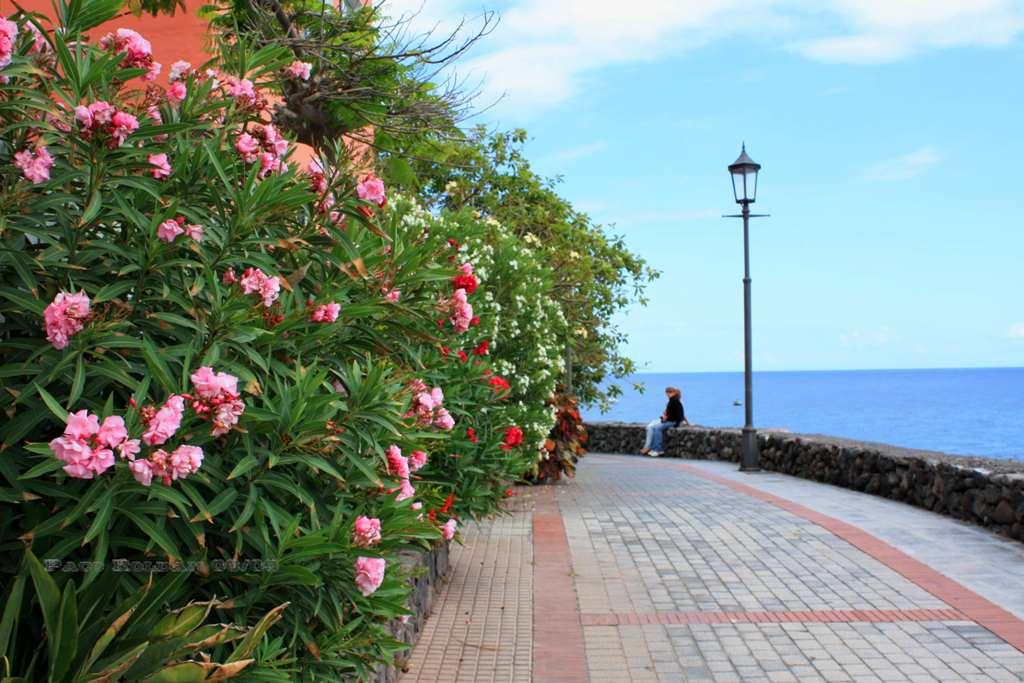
(558, 651)
(816, 616)
(965, 601)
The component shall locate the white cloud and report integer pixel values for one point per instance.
(904, 167)
(1017, 331)
(578, 152)
(887, 30)
(545, 51)
(868, 339)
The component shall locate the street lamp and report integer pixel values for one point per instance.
(744, 188)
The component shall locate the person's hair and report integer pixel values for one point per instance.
(673, 391)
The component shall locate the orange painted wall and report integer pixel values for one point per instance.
(173, 38)
(182, 37)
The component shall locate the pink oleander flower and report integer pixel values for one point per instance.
(34, 166)
(178, 70)
(247, 146)
(444, 420)
(299, 69)
(369, 574)
(229, 277)
(417, 506)
(462, 311)
(129, 448)
(142, 470)
(448, 530)
(185, 460)
(366, 531)
(371, 190)
(8, 34)
(82, 425)
(210, 384)
(123, 125)
(128, 41)
(241, 88)
(112, 432)
(325, 313)
(273, 141)
(397, 463)
(153, 112)
(217, 398)
(194, 232)
(271, 163)
(65, 317)
(392, 295)
(169, 230)
(226, 416)
(82, 447)
(255, 281)
(39, 44)
(417, 459)
(161, 168)
(437, 396)
(137, 50)
(165, 422)
(177, 92)
(405, 491)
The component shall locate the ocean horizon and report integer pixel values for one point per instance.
(962, 411)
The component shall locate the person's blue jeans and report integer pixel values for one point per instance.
(656, 434)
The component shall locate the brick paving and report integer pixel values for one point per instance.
(482, 625)
(659, 570)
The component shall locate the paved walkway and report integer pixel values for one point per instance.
(673, 570)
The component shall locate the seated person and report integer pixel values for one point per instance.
(672, 417)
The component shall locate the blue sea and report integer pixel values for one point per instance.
(969, 411)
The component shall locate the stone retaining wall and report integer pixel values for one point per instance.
(988, 492)
(426, 571)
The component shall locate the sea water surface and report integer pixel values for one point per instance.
(969, 411)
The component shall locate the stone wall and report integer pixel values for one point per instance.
(426, 570)
(988, 492)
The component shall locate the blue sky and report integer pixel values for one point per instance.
(887, 131)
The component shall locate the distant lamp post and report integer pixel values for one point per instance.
(744, 187)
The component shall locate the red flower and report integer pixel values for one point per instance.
(432, 515)
(474, 321)
(448, 502)
(471, 435)
(509, 493)
(463, 356)
(482, 349)
(453, 243)
(465, 281)
(499, 384)
(445, 351)
(513, 438)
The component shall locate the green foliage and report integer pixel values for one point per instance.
(250, 559)
(595, 274)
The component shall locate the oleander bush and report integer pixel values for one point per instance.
(227, 403)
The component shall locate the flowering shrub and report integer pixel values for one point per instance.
(213, 363)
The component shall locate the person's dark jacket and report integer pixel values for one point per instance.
(674, 411)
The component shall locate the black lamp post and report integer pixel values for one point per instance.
(744, 187)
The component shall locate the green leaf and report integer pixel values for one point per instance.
(47, 593)
(244, 465)
(102, 519)
(153, 533)
(64, 645)
(52, 404)
(12, 606)
(254, 636)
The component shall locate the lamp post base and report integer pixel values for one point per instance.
(751, 457)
